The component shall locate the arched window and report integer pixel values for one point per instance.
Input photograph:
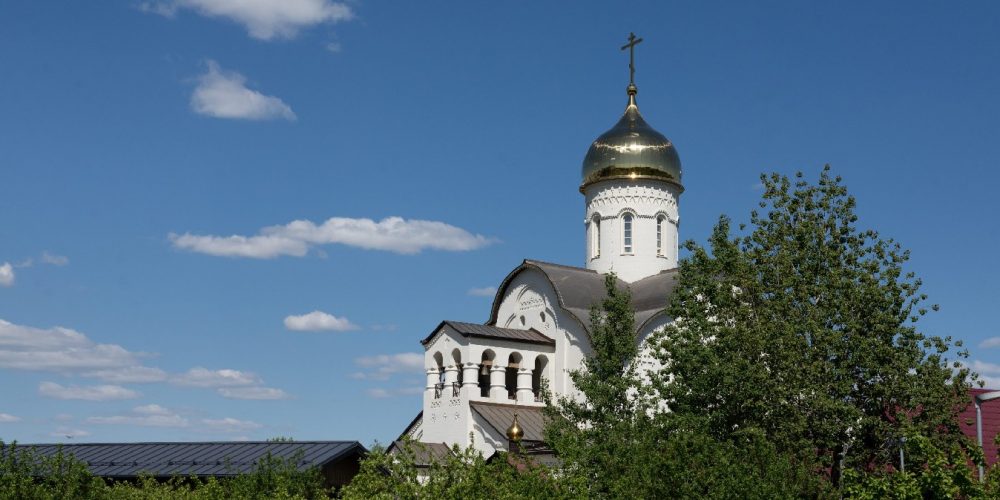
(595, 237)
(627, 233)
(659, 235)
(513, 363)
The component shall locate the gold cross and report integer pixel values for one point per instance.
(632, 42)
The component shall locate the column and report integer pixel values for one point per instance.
(450, 377)
(432, 380)
(470, 380)
(524, 393)
(498, 390)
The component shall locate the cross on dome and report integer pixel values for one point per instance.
(632, 42)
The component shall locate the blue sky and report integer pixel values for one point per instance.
(425, 149)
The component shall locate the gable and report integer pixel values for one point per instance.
(578, 289)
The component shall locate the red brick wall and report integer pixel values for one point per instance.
(991, 424)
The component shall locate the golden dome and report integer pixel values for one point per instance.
(631, 150)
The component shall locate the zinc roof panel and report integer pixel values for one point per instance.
(203, 458)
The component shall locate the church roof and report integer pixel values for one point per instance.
(531, 336)
(423, 454)
(578, 289)
(164, 460)
(499, 416)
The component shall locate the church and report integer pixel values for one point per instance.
(481, 378)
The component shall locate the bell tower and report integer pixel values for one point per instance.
(632, 185)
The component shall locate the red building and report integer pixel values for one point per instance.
(991, 423)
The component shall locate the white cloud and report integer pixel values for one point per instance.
(334, 47)
(87, 392)
(229, 424)
(392, 234)
(154, 415)
(129, 375)
(55, 260)
(6, 274)
(989, 373)
(203, 377)
(151, 415)
(254, 247)
(58, 349)
(263, 19)
(383, 366)
(990, 342)
(984, 367)
(259, 393)
(7, 418)
(318, 321)
(151, 409)
(991, 382)
(486, 291)
(223, 94)
(66, 432)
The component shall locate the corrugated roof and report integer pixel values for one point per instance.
(499, 416)
(125, 460)
(579, 289)
(991, 423)
(531, 336)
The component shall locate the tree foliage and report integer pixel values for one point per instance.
(803, 327)
(616, 439)
(464, 474)
(598, 434)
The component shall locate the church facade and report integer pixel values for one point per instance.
(478, 376)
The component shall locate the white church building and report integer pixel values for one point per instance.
(480, 375)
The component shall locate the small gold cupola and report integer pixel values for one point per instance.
(514, 432)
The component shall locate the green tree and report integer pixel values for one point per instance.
(617, 440)
(599, 435)
(24, 474)
(803, 328)
(463, 474)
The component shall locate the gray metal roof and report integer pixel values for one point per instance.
(125, 460)
(423, 453)
(579, 289)
(531, 336)
(499, 416)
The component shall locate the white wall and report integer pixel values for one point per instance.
(646, 199)
(448, 417)
(529, 295)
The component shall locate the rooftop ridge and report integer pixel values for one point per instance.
(564, 266)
